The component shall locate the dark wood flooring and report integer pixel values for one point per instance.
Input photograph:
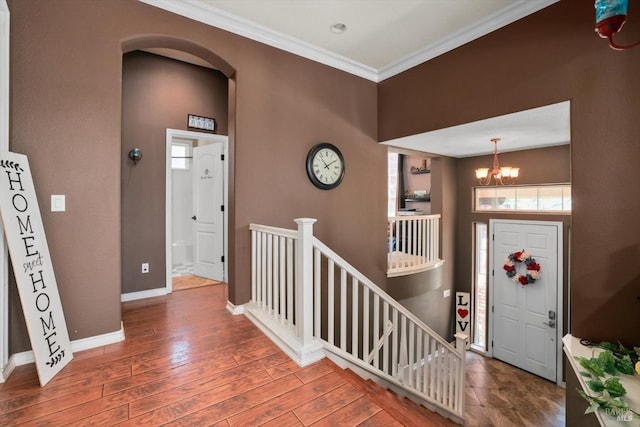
(187, 361)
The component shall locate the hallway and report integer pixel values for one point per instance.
(187, 361)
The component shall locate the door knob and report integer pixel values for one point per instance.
(550, 323)
(194, 218)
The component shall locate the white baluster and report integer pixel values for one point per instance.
(290, 282)
(354, 318)
(330, 302)
(385, 339)
(269, 283)
(376, 330)
(254, 265)
(317, 283)
(343, 309)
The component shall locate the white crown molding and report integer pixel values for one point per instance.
(504, 17)
(218, 18)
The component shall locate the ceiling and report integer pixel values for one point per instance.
(540, 127)
(384, 38)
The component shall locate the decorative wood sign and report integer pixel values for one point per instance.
(202, 123)
(463, 313)
(32, 267)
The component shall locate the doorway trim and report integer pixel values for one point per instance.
(214, 138)
(560, 288)
(5, 370)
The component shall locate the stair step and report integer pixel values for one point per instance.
(404, 410)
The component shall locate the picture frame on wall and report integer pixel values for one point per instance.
(201, 123)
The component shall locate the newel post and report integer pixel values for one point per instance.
(304, 280)
(461, 348)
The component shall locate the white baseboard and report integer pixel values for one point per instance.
(235, 309)
(25, 357)
(149, 293)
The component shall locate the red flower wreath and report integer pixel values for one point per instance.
(533, 268)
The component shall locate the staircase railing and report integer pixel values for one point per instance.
(304, 295)
(413, 244)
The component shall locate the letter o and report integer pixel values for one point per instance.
(24, 200)
(38, 302)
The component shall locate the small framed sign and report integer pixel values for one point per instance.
(202, 123)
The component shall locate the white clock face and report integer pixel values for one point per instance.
(327, 166)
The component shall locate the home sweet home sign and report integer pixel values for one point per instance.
(32, 267)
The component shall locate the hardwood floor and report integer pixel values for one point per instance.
(190, 281)
(187, 361)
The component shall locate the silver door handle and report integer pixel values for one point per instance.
(550, 323)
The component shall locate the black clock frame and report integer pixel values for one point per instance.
(312, 177)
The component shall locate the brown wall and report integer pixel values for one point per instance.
(66, 106)
(548, 57)
(157, 93)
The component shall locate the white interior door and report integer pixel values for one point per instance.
(208, 202)
(525, 317)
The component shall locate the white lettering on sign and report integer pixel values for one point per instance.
(32, 267)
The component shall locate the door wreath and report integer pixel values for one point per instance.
(533, 268)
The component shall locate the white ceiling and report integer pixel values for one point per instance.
(384, 38)
(535, 128)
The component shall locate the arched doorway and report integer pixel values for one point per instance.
(174, 95)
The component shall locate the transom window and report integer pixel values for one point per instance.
(526, 198)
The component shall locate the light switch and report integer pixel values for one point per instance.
(57, 203)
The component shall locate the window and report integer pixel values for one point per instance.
(529, 198)
(180, 155)
(481, 261)
(392, 184)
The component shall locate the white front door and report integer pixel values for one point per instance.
(525, 317)
(208, 208)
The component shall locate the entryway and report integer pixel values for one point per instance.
(526, 315)
(196, 236)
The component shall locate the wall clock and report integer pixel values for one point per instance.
(325, 166)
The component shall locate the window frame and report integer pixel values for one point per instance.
(491, 204)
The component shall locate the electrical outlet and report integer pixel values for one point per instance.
(145, 267)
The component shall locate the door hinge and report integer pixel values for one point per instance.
(491, 343)
(493, 272)
(222, 157)
(493, 237)
(492, 309)
(222, 258)
(221, 208)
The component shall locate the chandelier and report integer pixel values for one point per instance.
(504, 175)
